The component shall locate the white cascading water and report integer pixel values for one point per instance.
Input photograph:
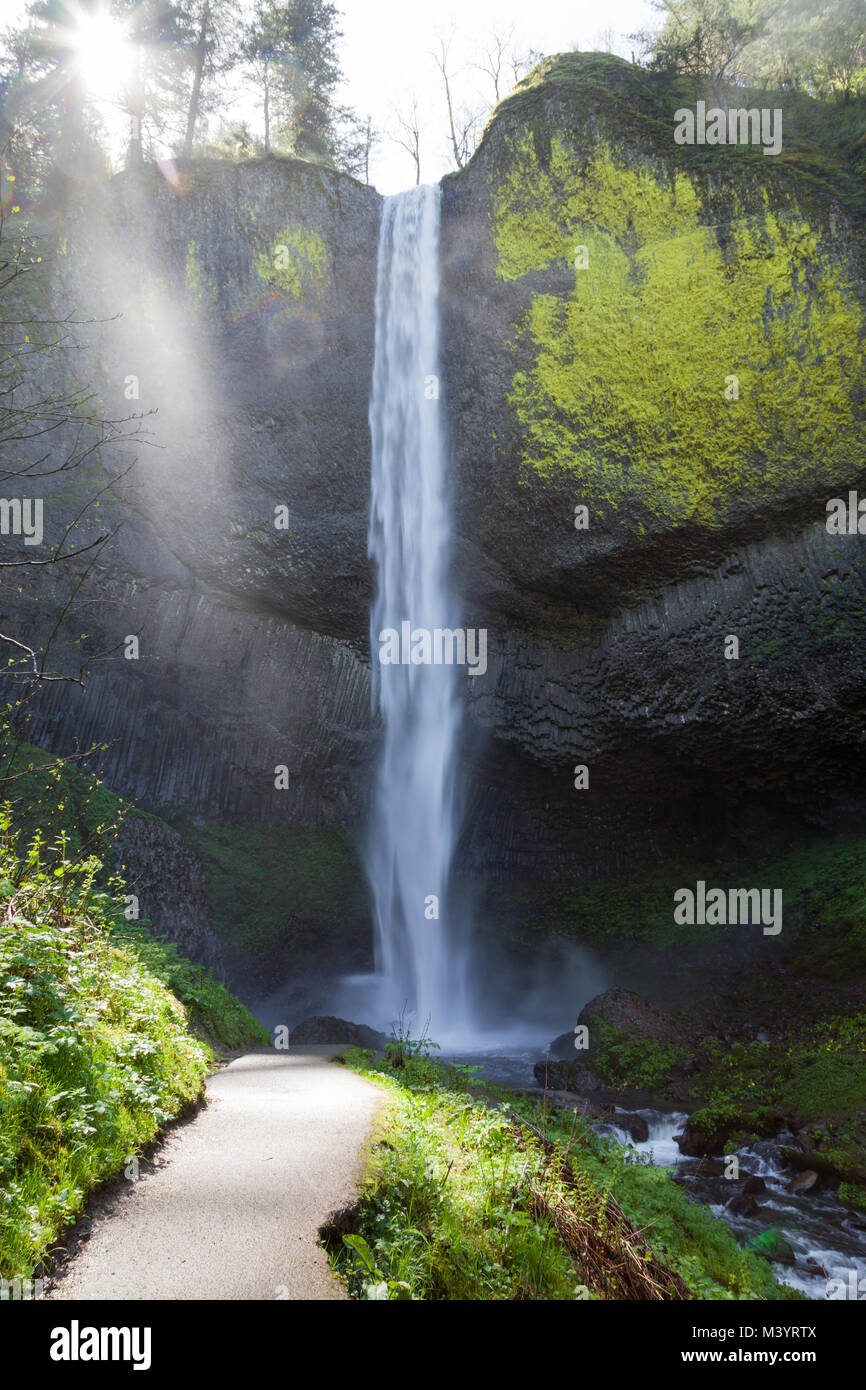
(419, 961)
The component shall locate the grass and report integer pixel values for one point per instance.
(465, 1199)
(97, 1043)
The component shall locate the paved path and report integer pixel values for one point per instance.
(233, 1207)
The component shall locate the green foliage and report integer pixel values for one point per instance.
(446, 1214)
(824, 883)
(815, 1075)
(97, 1054)
(852, 1195)
(291, 47)
(639, 1062)
(211, 1007)
(97, 1051)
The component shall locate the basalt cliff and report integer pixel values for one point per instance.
(652, 370)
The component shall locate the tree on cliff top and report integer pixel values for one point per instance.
(816, 45)
(707, 39)
(291, 49)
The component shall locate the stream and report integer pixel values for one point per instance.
(828, 1242)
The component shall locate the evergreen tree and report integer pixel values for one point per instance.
(291, 50)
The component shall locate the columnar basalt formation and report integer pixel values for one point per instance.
(667, 337)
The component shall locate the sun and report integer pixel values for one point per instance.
(103, 53)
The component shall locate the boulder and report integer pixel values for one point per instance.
(753, 1183)
(324, 1029)
(701, 1135)
(635, 1126)
(805, 1181)
(773, 1245)
(633, 1016)
(743, 1204)
(562, 1049)
(573, 1076)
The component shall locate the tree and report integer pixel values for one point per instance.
(290, 46)
(463, 123)
(407, 132)
(502, 62)
(833, 47)
(707, 39)
(210, 51)
(355, 139)
(816, 45)
(48, 427)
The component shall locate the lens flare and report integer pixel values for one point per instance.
(103, 54)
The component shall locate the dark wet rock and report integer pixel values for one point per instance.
(562, 1049)
(709, 1167)
(635, 1126)
(773, 1245)
(166, 876)
(569, 1076)
(805, 1153)
(753, 1182)
(632, 1016)
(805, 1181)
(742, 1204)
(567, 1100)
(701, 1136)
(324, 1029)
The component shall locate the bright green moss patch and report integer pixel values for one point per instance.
(692, 368)
(296, 266)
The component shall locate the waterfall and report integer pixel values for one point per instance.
(419, 959)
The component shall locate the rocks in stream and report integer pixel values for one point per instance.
(753, 1183)
(806, 1155)
(773, 1246)
(703, 1134)
(633, 1019)
(324, 1029)
(636, 1126)
(742, 1204)
(805, 1181)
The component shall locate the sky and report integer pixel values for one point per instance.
(385, 54)
(386, 48)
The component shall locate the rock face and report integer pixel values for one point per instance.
(667, 337)
(584, 258)
(168, 881)
(237, 309)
